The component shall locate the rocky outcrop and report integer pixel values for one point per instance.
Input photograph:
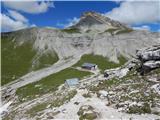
(152, 53)
(87, 112)
(149, 58)
(7, 94)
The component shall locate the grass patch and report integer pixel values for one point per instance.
(66, 98)
(102, 62)
(111, 30)
(85, 115)
(71, 30)
(33, 111)
(56, 103)
(16, 60)
(155, 71)
(88, 116)
(87, 95)
(140, 109)
(105, 84)
(124, 31)
(49, 83)
(10, 116)
(111, 82)
(46, 60)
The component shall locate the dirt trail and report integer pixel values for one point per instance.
(38, 75)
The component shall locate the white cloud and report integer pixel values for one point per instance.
(33, 7)
(136, 12)
(72, 22)
(69, 23)
(33, 25)
(8, 24)
(17, 16)
(13, 21)
(144, 27)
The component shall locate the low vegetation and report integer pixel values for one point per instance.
(124, 31)
(102, 62)
(115, 31)
(55, 103)
(139, 109)
(87, 95)
(39, 107)
(105, 85)
(16, 60)
(48, 84)
(87, 113)
(111, 30)
(46, 60)
(71, 30)
(66, 98)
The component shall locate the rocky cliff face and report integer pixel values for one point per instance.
(150, 58)
(109, 42)
(72, 44)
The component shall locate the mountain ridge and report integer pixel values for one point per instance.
(99, 18)
(68, 43)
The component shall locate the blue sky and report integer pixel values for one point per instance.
(18, 15)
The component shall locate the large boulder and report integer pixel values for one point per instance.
(152, 53)
(149, 58)
(152, 64)
(87, 112)
(116, 72)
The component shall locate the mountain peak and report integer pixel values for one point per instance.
(91, 18)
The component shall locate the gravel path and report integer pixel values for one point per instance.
(38, 75)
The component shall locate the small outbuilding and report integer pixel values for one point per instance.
(74, 82)
(89, 66)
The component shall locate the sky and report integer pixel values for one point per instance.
(15, 15)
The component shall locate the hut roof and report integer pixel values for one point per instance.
(72, 82)
(88, 65)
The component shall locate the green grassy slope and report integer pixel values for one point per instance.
(124, 31)
(17, 59)
(46, 60)
(102, 62)
(71, 30)
(49, 83)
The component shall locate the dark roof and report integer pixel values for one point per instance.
(88, 65)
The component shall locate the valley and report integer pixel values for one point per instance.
(120, 80)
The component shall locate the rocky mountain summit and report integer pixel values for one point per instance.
(94, 21)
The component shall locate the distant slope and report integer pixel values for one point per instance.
(19, 58)
(36, 48)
